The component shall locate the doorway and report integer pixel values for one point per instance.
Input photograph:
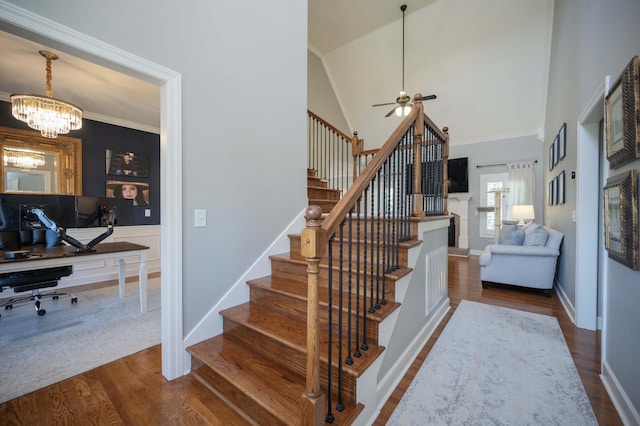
(589, 245)
(27, 23)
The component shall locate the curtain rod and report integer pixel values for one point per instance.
(499, 164)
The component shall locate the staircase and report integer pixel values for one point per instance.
(257, 365)
(310, 344)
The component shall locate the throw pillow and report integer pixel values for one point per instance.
(536, 238)
(515, 238)
(505, 231)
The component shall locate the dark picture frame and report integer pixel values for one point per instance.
(552, 155)
(551, 193)
(562, 142)
(561, 187)
(127, 163)
(622, 117)
(621, 219)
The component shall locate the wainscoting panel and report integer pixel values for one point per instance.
(437, 277)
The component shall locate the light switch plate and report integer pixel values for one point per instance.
(200, 218)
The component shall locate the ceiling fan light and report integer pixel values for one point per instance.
(399, 111)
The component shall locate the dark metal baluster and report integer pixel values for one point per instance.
(364, 346)
(349, 360)
(330, 417)
(340, 404)
(378, 238)
(357, 353)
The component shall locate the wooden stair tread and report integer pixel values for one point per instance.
(265, 384)
(299, 290)
(292, 333)
(286, 257)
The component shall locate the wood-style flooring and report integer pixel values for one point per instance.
(132, 391)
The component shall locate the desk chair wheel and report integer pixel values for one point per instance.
(7, 307)
(39, 311)
(74, 300)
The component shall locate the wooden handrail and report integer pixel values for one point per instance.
(346, 203)
(329, 125)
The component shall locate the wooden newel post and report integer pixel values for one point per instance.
(445, 171)
(418, 206)
(313, 241)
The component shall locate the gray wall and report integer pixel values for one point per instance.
(592, 39)
(524, 148)
(321, 98)
(412, 318)
(244, 76)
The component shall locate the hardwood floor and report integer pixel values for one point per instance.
(132, 391)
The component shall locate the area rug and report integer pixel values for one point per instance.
(496, 366)
(99, 329)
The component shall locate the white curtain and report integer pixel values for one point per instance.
(521, 185)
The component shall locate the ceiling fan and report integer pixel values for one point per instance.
(403, 103)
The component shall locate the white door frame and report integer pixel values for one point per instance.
(170, 83)
(587, 211)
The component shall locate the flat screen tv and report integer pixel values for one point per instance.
(458, 174)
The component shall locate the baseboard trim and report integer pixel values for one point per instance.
(627, 412)
(566, 304)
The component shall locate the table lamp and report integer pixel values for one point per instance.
(523, 212)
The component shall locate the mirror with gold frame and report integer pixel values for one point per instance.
(33, 164)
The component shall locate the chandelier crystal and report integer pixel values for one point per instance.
(23, 158)
(44, 113)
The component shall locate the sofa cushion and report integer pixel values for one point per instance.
(515, 238)
(536, 238)
(505, 231)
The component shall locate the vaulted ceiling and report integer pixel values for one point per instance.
(110, 96)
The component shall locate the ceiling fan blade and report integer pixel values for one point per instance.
(388, 103)
(429, 97)
(390, 112)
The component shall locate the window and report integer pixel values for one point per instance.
(489, 183)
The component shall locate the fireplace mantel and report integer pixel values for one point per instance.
(458, 203)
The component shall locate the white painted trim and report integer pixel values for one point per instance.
(587, 195)
(211, 324)
(627, 412)
(171, 160)
(566, 303)
(476, 252)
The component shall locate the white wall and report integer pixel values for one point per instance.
(486, 61)
(243, 68)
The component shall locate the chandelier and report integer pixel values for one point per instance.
(44, 113)
(23, 158)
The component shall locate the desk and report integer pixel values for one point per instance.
(65, 255)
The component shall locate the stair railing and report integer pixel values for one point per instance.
(358, 242)
(332, 153)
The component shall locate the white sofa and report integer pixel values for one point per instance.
(530, 265)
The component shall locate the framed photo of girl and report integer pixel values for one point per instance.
(622, 117)
(127, 163)
(138, 192)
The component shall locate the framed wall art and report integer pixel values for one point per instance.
(127, 163)
(552, 155)
(621, 219)
(562, 142)
(561, 187)
(622, 106)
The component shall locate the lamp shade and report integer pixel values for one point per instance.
(523, 212)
